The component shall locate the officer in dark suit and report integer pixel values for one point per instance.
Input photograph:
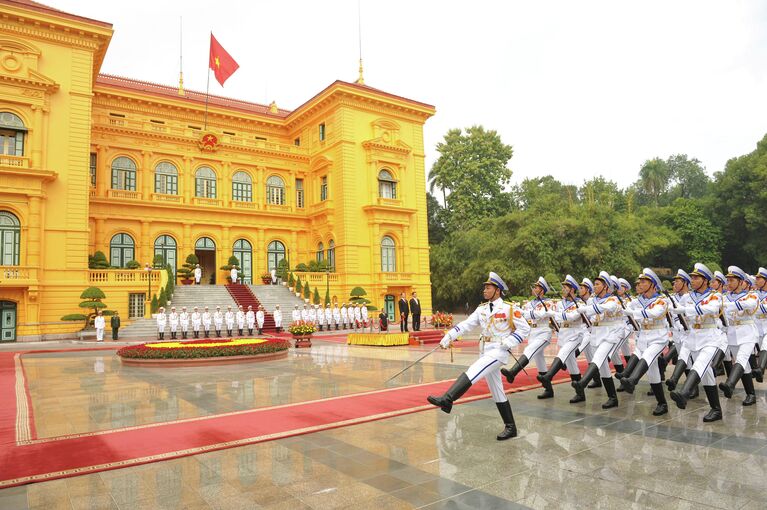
(404, 311)
(415, 309)
(115, 323)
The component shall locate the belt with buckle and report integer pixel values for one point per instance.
(703, 326)
(743, 322)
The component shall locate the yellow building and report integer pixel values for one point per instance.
(90, 162)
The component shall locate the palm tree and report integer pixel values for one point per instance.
(654, 176)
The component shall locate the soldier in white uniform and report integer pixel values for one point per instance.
(622, 290)
(344, 315)
(538, 314)
(250, 320)
(162, 321)
(240, 319)
(260, 319)
(173, 321)
(329, 317)
(229, 319)
(650, 310)
(233, 274)
(740, 306)
(305, 313)
(761, 319)
(607, 328)
(705, 341)
(197, 274)
(585, 292)
(207, 320)
(320, 311)
(503, 328)
(196, 322)
(364, 316)
(313, 315)
(357, 317)
(336, 315)
(295, 315)
(571, 330)
(218, 321)
(277, 314)
(99, 322)
(679, 350)
(183, 319)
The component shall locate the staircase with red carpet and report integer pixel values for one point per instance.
(243, 296)
(428, 336)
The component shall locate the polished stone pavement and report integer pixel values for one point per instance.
(567, 456)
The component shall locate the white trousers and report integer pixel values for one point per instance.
(702, 363)
(536, 345)
(488, 368)
(740, 354)
(99, 334)
(603, 352)
(567, 355)
(650, 353)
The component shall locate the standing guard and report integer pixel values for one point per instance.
(240, 316)
(162, 320)
(206, 322)
(295, 315)
(503, 328)
(183, 319)
(229, 318)
(277, 316)
(336, 315)
(329, 317)
(196, 322)
(260, 316)
(218, 321)
(250, 320)
(173, 321)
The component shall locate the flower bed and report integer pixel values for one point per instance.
(204, 349)
(442, 320)
(302, 328)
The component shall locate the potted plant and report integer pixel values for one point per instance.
(291, 282)
(266, 278)
(302, 333)
(132, 264)
(186, 271)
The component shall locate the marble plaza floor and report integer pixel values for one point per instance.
(567, 456)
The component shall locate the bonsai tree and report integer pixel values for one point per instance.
(91, 297)
(186, 271)
(316, 297)
(307, 292)
(282, 270)
(98, 261)
(357, 297)
(232, 262)
(314, 266)
(132, 264)
(158, 261)
(322, 265)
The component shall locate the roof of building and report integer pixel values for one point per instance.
(37, 6)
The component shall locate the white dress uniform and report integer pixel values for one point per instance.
(218, 321)
(196, 323)
(329, 317)
(197, 275)
(173, 320)
(100, 324)
(320, 312)
(250, 320)
(364, 315)
(162, 321)
(336, 316)
(207, 320)
(357, 317)
(627, 298)
(295, 315)
(240, 316)
(502, 328)
(305, 314)
(607, 326)
(277, 314)
(233, 275)
(260, 320)
(761, 321)
(344, 317)
(229, 319)
(312, 316)
(183, 320)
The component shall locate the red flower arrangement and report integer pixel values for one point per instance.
(206, 348)
(442, 320)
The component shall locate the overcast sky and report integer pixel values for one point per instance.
(579, 89)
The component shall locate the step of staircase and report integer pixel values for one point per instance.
(245, 298)
(272, 295)
(201, 296)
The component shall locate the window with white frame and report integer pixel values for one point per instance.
(166, 178)
(388, 259)
(387, 186)
(205, 182)
(242, 187)
(275, 190)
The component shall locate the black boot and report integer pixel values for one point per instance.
(679, 369)
(630, 382)
(632, 362)
(681, 397)
(229, 332)
(748, 385)
(591, 371)
(510, 430)
(728, 386)
(596, 382)
(662, 368)
(545, 378)
(672, 355)
(619, 373)
(455, 392)
(517, 368)
(260, 332)
(715, 414)
(755, 372)
(580, 395)
(183, 335)
(763, 361)
(727, 367)
(660, 397)
(196, 334)
(240, 331)
(218, 333)
(612, 396)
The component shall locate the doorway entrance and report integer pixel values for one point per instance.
(7, 321)
(205, 250)
(389, 306)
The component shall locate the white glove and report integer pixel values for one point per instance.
(681, 310)
(445, 342)
(510, 342)
(730, 306)
(547, 314)
(583, 309)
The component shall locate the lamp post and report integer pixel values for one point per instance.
(148, 270)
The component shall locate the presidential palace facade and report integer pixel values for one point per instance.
(91, 162)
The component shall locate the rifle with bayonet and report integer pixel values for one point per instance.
(682, 318)
(631, 319)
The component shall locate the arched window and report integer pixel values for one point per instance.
(205, 243)
(12, 132)
(10, 231)
(124, 174)
(166, 178)
(332, 255)
(244, 253)
(387, 186)
(275, 190)
(320, 252)
(166, 246)
(388, 259)
(242, 187)
(205, 182)
(274, 254)
(121, 250)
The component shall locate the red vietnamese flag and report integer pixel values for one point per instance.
(221, 62)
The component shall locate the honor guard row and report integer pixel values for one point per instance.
(355, 316)
(206, 322)
(711, 319)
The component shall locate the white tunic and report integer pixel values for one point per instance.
(206, 319)
(229, 318)
(99, 322)
(240, 319)
(296, 315)
(250, 318)
(196, 319)
(260, 318)
(162, 320)
(173, 319)
(218, 319)
(277, 314)
(183, 319)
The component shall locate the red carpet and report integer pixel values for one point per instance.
(46, 459)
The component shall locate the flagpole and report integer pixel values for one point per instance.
(207, 89)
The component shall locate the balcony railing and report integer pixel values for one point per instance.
(395, 277)
(316, 277)
(15, 161)
(243, 205)
(18, 275)
(122, 276)
(215, 202)
(161, 197)
(124, 194)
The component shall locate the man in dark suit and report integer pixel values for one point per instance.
(115, 323)
(404, 311)
(415, 309)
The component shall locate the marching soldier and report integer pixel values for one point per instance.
(585, 292)
(240, 316)
(740, 305)
(624, 291)
(503, 328)
(173, 321)
(277, 314)
(162, 320)
(207, 320)
(218, 321)
(196, 322)
(681, 346)
(538, 314)
(650, 309)
(571, 329)
(761, 318)
(229, 318)
(705, 341)
(607, 329)
(250, 320)
(260, 319)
